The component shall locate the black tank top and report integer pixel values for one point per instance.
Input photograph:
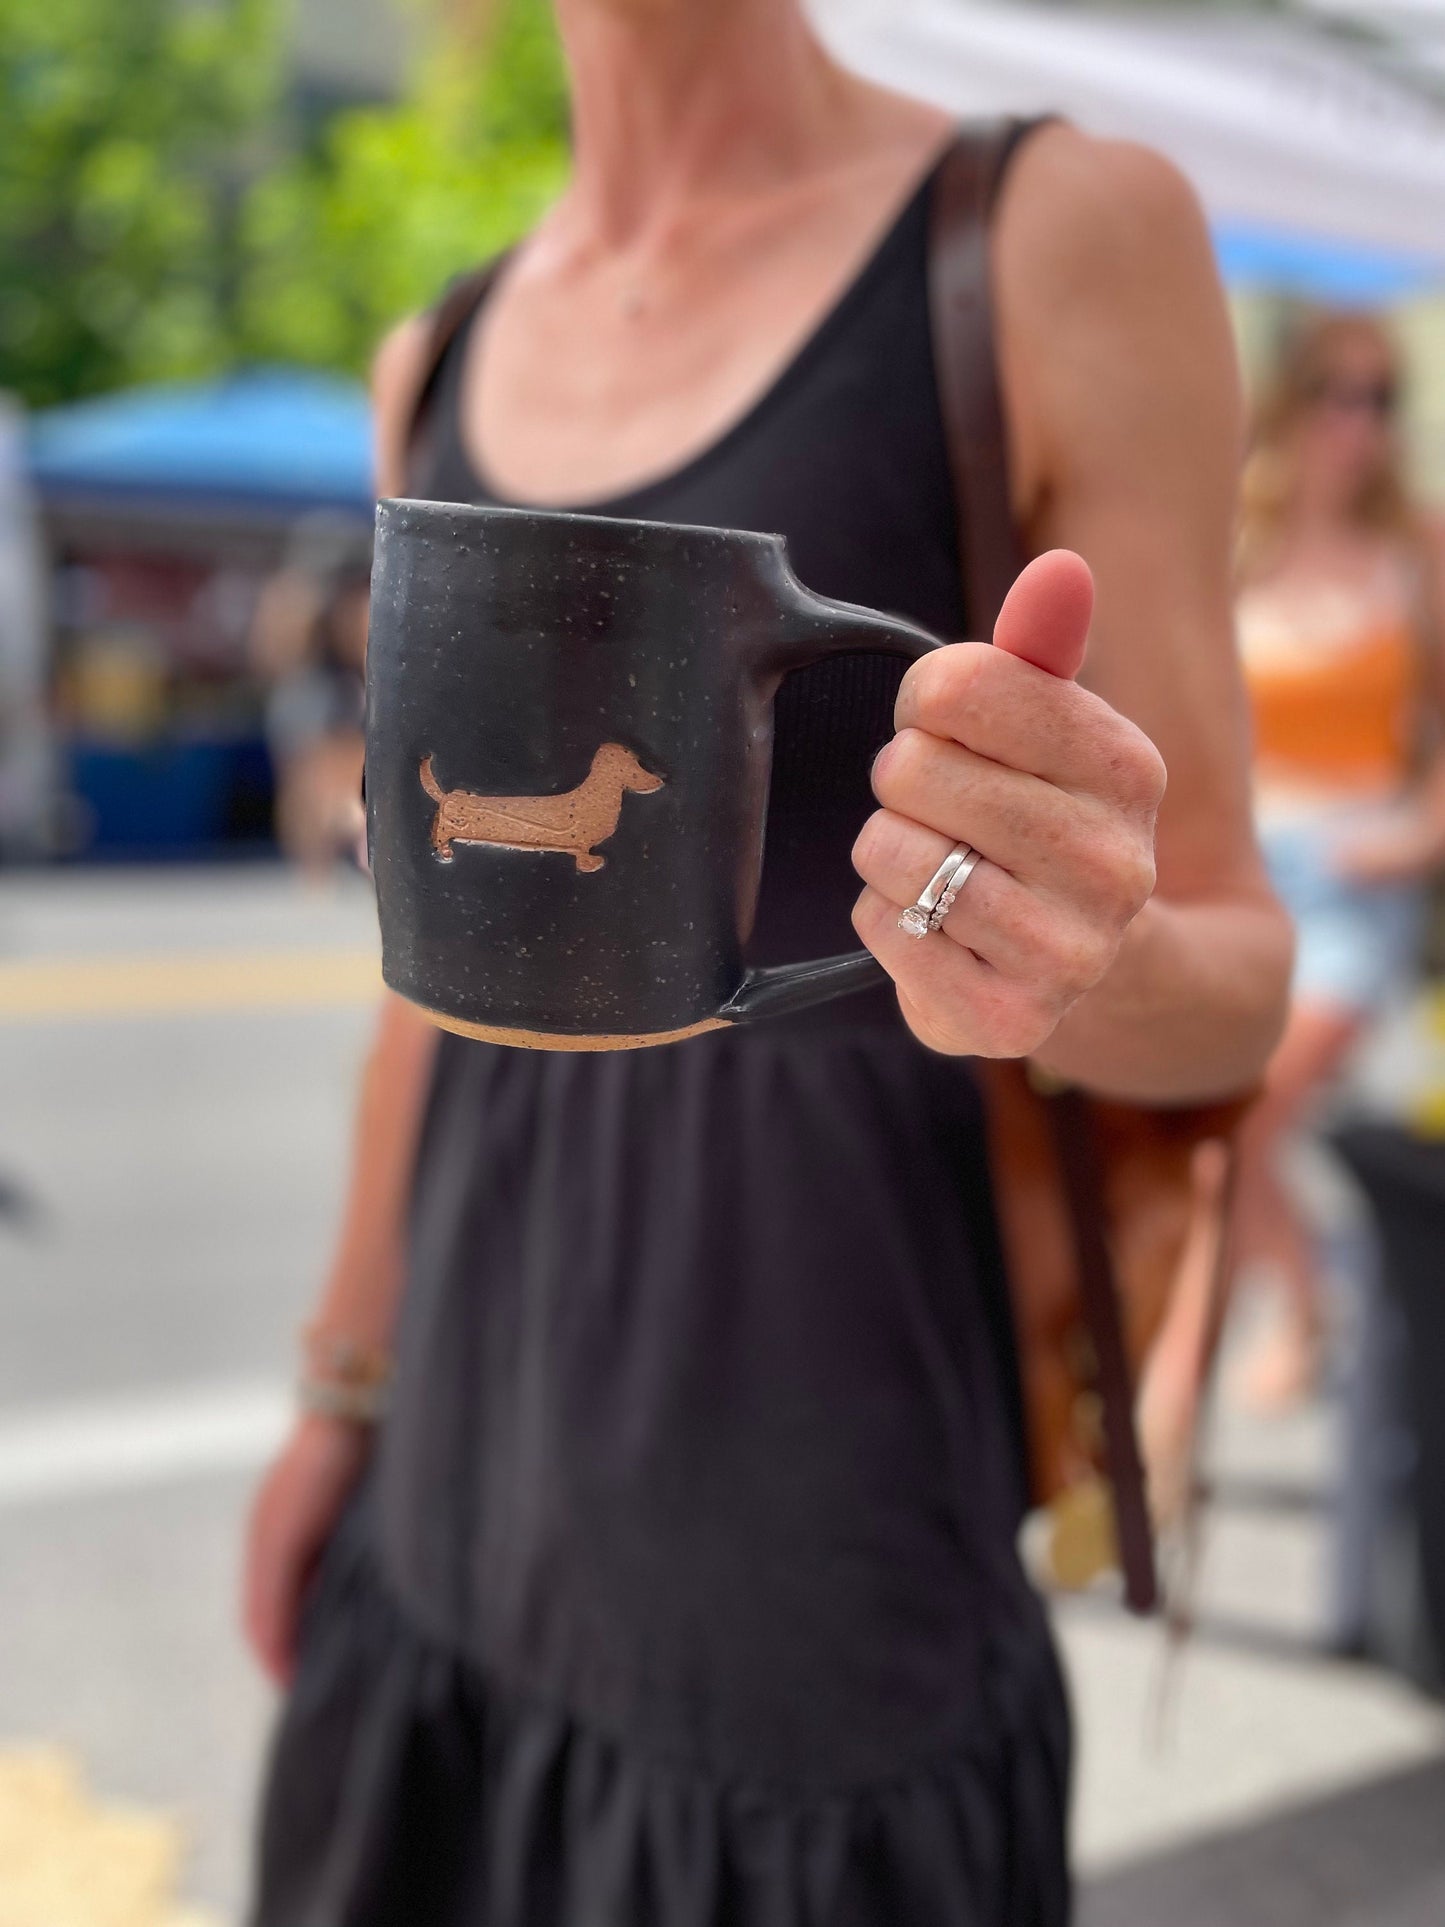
(844, 455)
(704, 1424)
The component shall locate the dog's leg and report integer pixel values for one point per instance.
(589, 860)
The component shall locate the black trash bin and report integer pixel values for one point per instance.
(1395, 1442)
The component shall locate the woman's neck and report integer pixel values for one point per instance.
(1322, 519)
(675, 101)
(1325, 505)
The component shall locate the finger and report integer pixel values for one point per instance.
(1045, 615)
(1020, 933)
(1078, 847)
(1019, 715)
(262, 1637)
(954, 1000)
(269, 1611)
(980, 919)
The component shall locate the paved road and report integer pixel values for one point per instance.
(177, 1053)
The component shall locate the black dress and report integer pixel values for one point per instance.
(685, 1591)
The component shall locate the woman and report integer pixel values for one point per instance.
(1339, 582)
(308, 643)
(683, 1587)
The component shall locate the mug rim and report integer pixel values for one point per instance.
(524, 513)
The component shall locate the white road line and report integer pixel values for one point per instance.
(118, 1444)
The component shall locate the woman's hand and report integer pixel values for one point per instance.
(293, 1515)
(1000, 748)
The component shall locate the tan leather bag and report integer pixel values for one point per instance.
(1113, 1216)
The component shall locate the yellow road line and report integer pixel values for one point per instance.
(168, 984)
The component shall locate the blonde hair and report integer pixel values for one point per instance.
(1306, 358)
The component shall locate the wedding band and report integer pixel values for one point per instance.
(940, 892)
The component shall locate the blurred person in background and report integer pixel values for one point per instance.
(308, 645)
(681, 1584)
(1339, 619)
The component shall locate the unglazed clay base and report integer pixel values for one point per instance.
(566, 1040)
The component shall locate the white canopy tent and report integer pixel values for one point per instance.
(1410, 34)
(1286, 129)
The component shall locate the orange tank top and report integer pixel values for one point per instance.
(1333, 689)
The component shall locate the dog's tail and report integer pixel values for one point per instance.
(429, 782)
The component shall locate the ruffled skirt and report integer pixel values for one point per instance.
(407, 1790)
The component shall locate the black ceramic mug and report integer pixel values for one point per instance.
(569, 733)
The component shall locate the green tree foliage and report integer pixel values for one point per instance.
(395, 200)
(124, 129)
(162, 216)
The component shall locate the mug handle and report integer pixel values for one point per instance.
(817, 627)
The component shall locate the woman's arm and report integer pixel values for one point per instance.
(305, 1489)
(1125, 429)
(364, 1280)
(1130, 433)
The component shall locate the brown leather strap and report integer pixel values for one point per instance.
(1069, 1120)
(1183, 1582)
(459, 302)
(991, 552)
(961, 312)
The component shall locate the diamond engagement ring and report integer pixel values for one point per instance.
(938, 897)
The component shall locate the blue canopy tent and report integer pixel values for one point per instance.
(188, 480)
(1322, 268)
(271, 441)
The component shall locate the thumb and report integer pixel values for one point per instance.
(1045, 615)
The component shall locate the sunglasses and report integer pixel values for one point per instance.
(1377, 398)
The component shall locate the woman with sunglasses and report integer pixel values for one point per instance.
(1338, 617)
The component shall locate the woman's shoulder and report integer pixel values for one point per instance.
(1115, 347)
(1081, 214)
(398, 372)
(408, 358)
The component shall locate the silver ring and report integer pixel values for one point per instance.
(937, 899)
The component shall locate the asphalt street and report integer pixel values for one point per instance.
(178, 1052)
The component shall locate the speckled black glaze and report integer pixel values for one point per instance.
(507, 645)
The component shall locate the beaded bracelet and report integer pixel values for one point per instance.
(343, 1378)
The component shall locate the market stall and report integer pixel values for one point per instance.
(164, 511)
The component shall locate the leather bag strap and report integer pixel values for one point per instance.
(991, 553)
(1083, 1181)
(961, 317)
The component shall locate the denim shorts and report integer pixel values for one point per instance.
(1356, 943)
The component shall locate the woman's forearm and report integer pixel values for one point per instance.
(364, 1284)
(1192, 1007)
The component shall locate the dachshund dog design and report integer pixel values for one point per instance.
(572, 823)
